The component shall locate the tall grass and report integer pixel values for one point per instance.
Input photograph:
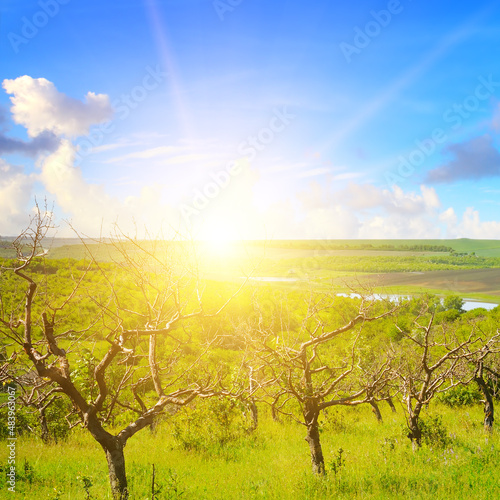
(364, 459)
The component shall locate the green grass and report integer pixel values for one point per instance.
(72, 248)
(320, 266)
(274, 463)
(485, 248)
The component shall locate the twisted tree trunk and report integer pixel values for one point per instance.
(113, 448)
(391, 404)
(311, 414)
(45, 435)
(116, 467)
(253, 407)
(488, 399)
(376, 411)
(415, 433)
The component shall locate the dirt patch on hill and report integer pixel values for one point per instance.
(463, 282)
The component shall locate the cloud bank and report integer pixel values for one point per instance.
(45, 142)
(359, 210)
(472, 160)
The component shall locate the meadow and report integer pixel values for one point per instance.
(484, 248)
(210, 449)
(397, 266)
(364, 459)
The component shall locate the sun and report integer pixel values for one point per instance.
(219, 241)
(219, 235)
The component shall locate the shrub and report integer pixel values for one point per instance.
(211, 424)
(461, 395)
(434, 432)
(453, 302)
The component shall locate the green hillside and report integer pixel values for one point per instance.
(484, 248)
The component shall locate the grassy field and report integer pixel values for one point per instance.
(376, 462)
(365, 460)
(73, 247)
(484, 248)
(392, 266)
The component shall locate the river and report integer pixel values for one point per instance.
(468, 305)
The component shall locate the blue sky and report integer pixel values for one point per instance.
(250, 119)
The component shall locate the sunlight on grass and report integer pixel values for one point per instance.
(274, 462)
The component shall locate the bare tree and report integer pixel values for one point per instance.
(304, 370)
(433, 360)
(487, 376)
(35, 393)
(489, 408)
(146, 303)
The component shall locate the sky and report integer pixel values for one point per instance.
(246, 119)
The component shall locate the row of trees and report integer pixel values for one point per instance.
(147, 335)
(353, 245)
(383, 263)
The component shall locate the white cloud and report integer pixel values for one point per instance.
(449, 217)
(411, 203)
(90, 208)
(15, 196)
(430, 197)
(366, 211)
(88, 204)
(313, 172)
(145, 154)
(361, 196)
(346, 176)
(471, 226)
(399, 226)
(314, 197)
(334, 222)
(365, 197)
(39, 106)
(253, 205)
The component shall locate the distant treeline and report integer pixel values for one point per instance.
(39, 265)
(333, 245)
(380, 264)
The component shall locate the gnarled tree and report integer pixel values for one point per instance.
(141, 318)
(487, 376)
(433, 359)
(309, 368)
